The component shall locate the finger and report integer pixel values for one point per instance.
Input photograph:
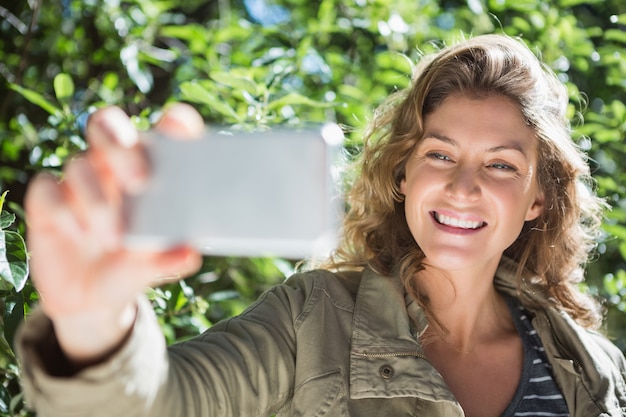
(52, 229)
(115, 147)
(96, 211)
(111, 127)
(46, 208)
(134, 270)
(181, 121)
(174, 264)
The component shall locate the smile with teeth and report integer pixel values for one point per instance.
(458, 223)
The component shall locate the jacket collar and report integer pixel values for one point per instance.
(384, 336)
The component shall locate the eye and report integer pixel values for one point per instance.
(502, 166)
(439, 156)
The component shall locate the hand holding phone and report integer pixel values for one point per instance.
(87, 279)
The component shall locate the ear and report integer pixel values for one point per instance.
(403, 186)
(536, 208)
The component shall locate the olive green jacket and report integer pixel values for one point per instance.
(318, 345)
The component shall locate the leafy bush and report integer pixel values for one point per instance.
(259, 62)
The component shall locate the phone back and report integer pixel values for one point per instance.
(273, 193)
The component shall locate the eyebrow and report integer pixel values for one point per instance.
(513, 145)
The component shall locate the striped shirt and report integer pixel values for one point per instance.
(537, 394)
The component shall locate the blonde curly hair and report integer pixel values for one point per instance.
(551, 249)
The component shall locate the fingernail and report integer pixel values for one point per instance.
(182, 120)
(123, 128)
(114, 123)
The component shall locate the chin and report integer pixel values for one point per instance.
(458, 260)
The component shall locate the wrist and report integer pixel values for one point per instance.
(91, 337)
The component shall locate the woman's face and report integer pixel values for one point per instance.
(471, 182)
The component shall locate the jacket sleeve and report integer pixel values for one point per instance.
(242, 367)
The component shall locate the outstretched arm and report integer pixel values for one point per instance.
(87, 280)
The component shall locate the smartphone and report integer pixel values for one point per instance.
(273, 193)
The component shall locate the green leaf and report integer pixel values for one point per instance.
(235, 82)
(13, 316)
(17, 401)
(6, 219)
(5, 400)
(618, 109)
(607, 135)
(63, 86)
(197, 93)
(189, 32)
(13, 259)
(622, 249)
(295, 99)
(572, 3)
(616, 230)
(37, 99)
(616, 35)
(518, 5)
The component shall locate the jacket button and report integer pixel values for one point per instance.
(386, 371)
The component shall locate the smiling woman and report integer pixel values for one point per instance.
(453, 293)
(471, 184)
(473, 194)
(468, 190)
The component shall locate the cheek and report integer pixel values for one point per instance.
(514, 204)
(418, 178)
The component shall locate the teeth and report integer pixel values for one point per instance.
(454, 222)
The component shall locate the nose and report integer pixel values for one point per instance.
(464, 184)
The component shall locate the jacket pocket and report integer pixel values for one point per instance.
(318, 396)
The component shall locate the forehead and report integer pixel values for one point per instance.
(489, 121)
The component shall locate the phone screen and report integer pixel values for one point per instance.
(273, 193)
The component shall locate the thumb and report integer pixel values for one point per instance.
(173, 265)
(181, 121)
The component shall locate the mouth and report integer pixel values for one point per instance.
(455, 222)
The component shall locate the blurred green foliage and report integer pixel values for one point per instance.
(265, 62)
